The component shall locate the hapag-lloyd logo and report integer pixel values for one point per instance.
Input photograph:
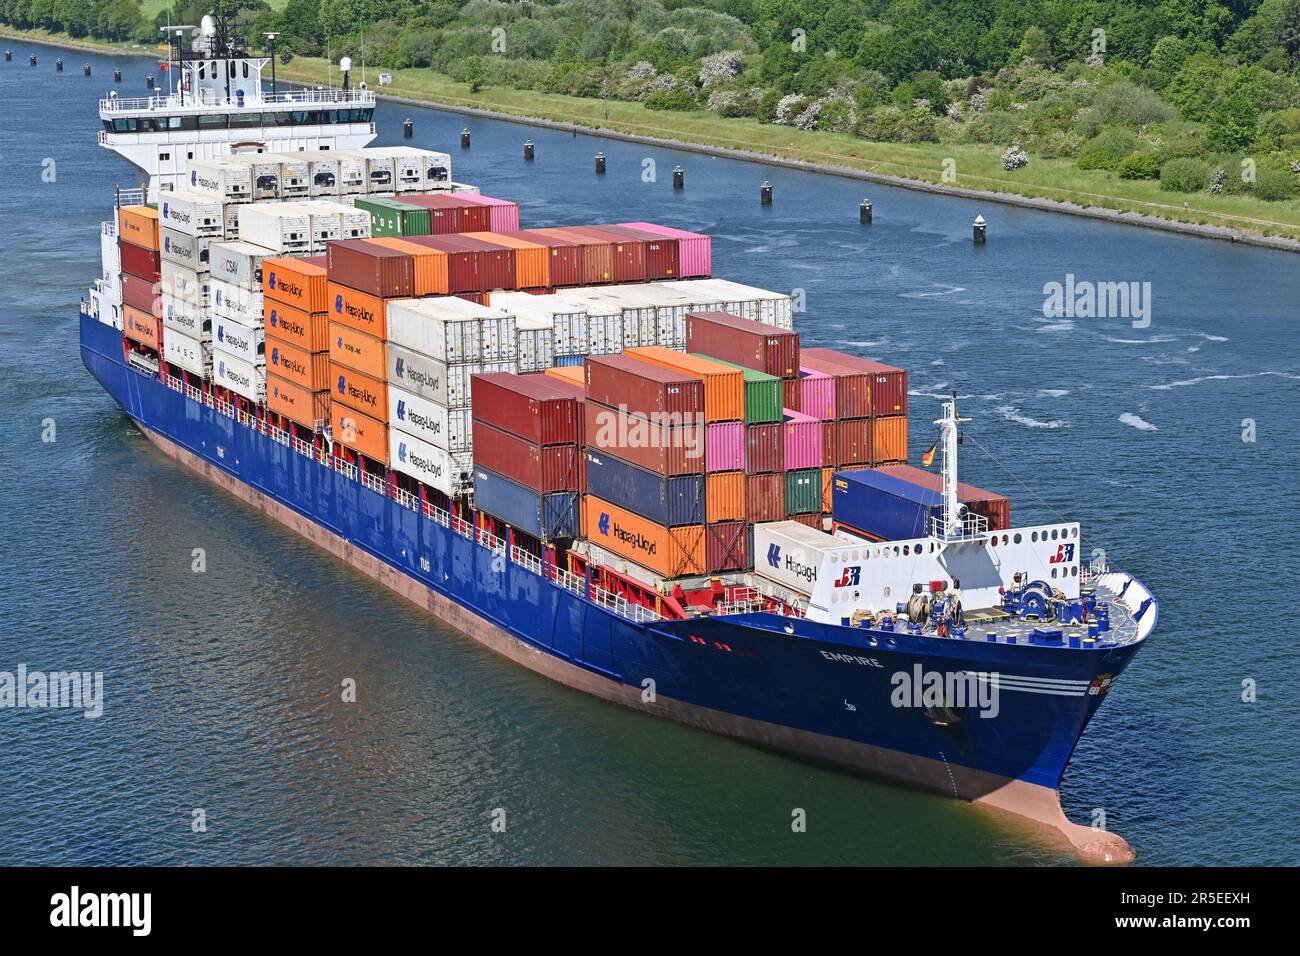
(418, 419)
(626, 429)
(235, 340)
(358, 392)
(292, 289)
(287, 362)
(427, 465)
(609, 527)
(354, 311)
(416, 375)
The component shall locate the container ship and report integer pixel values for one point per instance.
(582, 449)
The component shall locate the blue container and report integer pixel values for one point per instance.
(883, 506)
(666, 501)
(564, 361)
(548, 517)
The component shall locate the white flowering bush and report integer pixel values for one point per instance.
(719, 68)
(789, 107)
(1014, 158)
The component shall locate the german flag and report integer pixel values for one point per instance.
(928, 458)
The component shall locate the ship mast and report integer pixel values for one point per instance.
(952, 525)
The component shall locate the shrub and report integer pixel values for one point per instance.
(1106, 150)
(767, 104)
(1139, 166)
(678, 98)
(1126, 104)
(997, 127)
(1184, 175)
(1014, 158)
(1274, 185)
(837, 115)
(889, 124)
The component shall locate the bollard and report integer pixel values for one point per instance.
(528, 150)
(9, 55)
(32, 59)
(148, 81)
(464, 138)
(117, 76)
(765, 193)
(408, 129)
(981, 229)
(600, 164)
(58, 65)
(864, 211)
(86, 69)
(679, 178)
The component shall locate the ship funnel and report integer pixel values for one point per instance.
(208, 25)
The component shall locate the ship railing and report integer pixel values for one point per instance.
(102, 137)
(108, 228)
(491, 542)
(621, 606)
(277, 435)
(970, 527)
(526, 559)
(569, 580)
(304, 448)
(437, 514)
(246, 419)
(461, 527)
(374, 483)
(345, 468)
(224, 407)
(172, 102)
(175, 384)
(405, 498)
(130, 197)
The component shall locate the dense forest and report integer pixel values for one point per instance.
(1198, 94)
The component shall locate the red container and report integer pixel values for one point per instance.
(813, 520)
(853, 442)
(629, 252)
(542, 468)
(792, 394)
(138, 293)
(765, 449)
(139, 261)
(764, 498)
(665, 450)
(852, 388)
(995, 507)
(662, 260)
(526, 405)
(565, 255)
(888, 384)
(464, 261)
(496, 263)
(726, 546)
(369, 267)
(570, 390)
(595, 253)
(764, 348)
(645, 389)
(449, 214)
(829, 450)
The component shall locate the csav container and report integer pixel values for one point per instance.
(884, 385)
(726, 546)
(993, 506)
(368, 266)
(665, 501)
(503, 214)
(357, 350)
(724, 496)
(853, 442)
(724, 446)
(764, 498)
(817, 394)
(296, 282)
(307, 330)
(803, 491)
(745, 342)
(764, 448)
(451, 429)
(296, 403)
(526, 406)
(239, 263)
(357, 391)
(695, 250)
(551, 517)
(803, 441)
(138, 225)
(669, 552)
(664, 449)
(544, 468)
(422, 461)
(889, 439)
(724, 386)
(645, 389)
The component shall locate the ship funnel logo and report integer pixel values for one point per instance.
(401, 409)
(774, 555)
(604, 523)
(343, 384)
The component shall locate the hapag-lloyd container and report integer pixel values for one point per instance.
(463, 262)
(139, 225)
(803, 441)
(368, 266)
(645, 389)
(282, 227)
(527, 406)
(193, 252)
(451, 429)
(661, 260)
(665, 501)
(139, 261)
(437, 381)
(544, 468)
(724, 496)
(361, 310)
(726, 546)
(358, 431)
(724, 446)
(242, 378)
(668, 451)
(694, 250)
(239, 263)
(239, 340)
(764, 448)
(357, 350)
(532, 266)
(421, 461)
(764, 498)
(230, 301)
(191, 212)
(889, 439)
(297, 403)
(187, 353)
(798, 551)
(307, 330)
(296, 282)
(669, 552)
(887, 385)
(724, 386)
(357, 391)
(143, 327)
(547, 517)
(817, 394)
(745, 342)
(803, 491)
(763, 393)
(503, 214)
(311, 370)
(853, 442)
(430, 265)
(188, 318)
(990, 504)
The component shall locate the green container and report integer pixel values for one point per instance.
(390, 217)
(763, 396)
(803, 491)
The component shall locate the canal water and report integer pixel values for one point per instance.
(1173, 440)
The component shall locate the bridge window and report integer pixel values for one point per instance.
(213, 121)
(245, 69)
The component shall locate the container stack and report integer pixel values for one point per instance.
(297, 345)
(870, 407)
(238, 308)
(419, 214)
(189, 223)
(140, 269)
(898, 502)
(552, 330)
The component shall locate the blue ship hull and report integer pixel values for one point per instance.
(818, 691)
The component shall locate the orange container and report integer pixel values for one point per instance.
(309, 370)
(362, 311)
(140, 326)
(358, 351)
(307, 330)
(295, 402)
(889, 439)
(724, 496)
(573, 374)
(532, 261)
(359, 432)
(138, 225)
(828, 480)
(359, 392)
(724, 386)
(295, 282)
(670, 552)
(430, 264)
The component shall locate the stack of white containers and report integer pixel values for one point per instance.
(238, 327)
(189, 222)
(637, 314)
(748, 302)
(435, 346)
(549, 328)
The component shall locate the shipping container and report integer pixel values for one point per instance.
(296, 282)
(503, 214)
(666, 450)
(358, 431)
(357, 350)
(191, 251)
(670, 552)
(240, 340)
(553, 517)
(615, 320)
(464, 265)
(307, 330)
(532, 260)
(233, 182)
(362, 311)
(596, 254)
(764, 498)
(188, 318)
(143, 327)
(817, 394)
(764, 448)
(242, 378)
(993, 506)
(791, 394)
(138, 225)
(853, 442)
(142, 294)
(762, 394)
(496, 263)
(284, 228)
(424, 462)
(665, 501)
(448, 328)
(448, 385)
(358, 392)
(894, 503)
(181, 282)
(852, 386)
(414, 169)
(394, 217)
(564, 256)
(750, 344)
(726, 546)
(759, 305)
(803, 491)
(534, 344)
(629, 254)
(724, 385)
(695, 250)
(371, 267)
(451, 429)
(191, 212)
(140, 262)
(574, 374)
(794, 553)
(724, 496)
(661, 255)
(889, 439)
(888, 384)
(828, 477)
(230, 301)
(239, 263)
(830, 445)
(526, 406)
(544, 468)
(452, 214)
(645, 389)
(311, 370)
(297, 404)
(430, 265)
(803, 441)
(187, 353)
(724, 446)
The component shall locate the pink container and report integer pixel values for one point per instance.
(724, 446)
(817, 394)
(503, 216)
(695, 256)
(803, 441)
